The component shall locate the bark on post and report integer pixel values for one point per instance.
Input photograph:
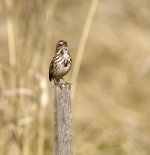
(62, 120)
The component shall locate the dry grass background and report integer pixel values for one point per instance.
(111, 100)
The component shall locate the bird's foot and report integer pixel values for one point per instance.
(66, 82)
(56, 82)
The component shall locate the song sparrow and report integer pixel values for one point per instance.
(61, 62)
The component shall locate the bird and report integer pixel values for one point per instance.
(61, 63)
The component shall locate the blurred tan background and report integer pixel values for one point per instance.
(112, 93)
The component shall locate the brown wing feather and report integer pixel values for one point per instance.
(52, 67)
(51, 70)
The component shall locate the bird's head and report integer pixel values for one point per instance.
(61, 47)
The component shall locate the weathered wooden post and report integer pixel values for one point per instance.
(62, 120)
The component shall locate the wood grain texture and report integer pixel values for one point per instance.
(62, 120)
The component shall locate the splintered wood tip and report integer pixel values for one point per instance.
(64, 85)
